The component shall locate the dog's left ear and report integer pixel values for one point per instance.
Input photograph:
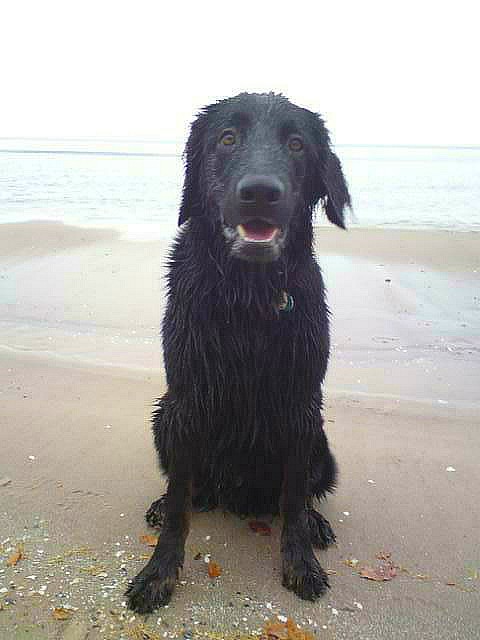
(337, 197)
(330, 184)
(192, 204)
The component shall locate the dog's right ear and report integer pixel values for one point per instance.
(192, 204)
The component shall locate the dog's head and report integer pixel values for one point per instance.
(258, 165)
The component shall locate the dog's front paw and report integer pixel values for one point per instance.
(321, 532)
(304, 576)
(151, 588)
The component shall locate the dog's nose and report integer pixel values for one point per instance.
(260, 190)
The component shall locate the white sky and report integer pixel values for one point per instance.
(380, 72)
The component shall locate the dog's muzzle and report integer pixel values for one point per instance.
(257, 231)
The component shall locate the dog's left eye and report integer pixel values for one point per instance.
(295, 143)
(228, 138)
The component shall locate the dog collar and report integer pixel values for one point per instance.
(286, 302)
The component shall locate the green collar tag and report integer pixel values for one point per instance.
(286, 302)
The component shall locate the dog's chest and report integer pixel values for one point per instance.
(251, 343)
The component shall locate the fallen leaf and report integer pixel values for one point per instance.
(16, 556)
(275, 630)
(141, 632)
(451, 584)
(72, 553)
(60, 613)
(379, 573)
(149, 540)
(214, 569)
(260, 527)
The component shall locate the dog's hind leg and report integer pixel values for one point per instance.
(155, 515)
(321, 532)
(322, 480)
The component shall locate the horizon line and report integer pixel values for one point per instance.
(408, 145)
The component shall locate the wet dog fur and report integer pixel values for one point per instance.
(246, 338)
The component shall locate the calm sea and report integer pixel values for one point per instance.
(136, 186)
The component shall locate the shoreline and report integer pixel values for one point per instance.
(91, 298)
(412, 245)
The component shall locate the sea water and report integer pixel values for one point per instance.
(136, 185)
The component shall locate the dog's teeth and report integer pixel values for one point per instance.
(241, 230)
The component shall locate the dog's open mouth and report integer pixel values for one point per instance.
(257, 231)
(255, 240)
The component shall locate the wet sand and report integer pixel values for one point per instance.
(80, 311)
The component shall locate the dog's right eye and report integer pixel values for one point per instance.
(228, 138)
(295, 143)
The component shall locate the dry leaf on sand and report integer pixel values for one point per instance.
(149, 540)
(275, 630)
(141, 632)
(60, 613)
(16, 556)
(260, 527)
(380, 573)
(214, 569)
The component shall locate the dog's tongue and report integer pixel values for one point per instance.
(258, 230)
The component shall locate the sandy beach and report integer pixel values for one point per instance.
(80, 311)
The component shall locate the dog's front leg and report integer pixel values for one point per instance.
(302, 572)
(154, 585)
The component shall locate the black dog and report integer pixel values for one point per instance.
(246, 338)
